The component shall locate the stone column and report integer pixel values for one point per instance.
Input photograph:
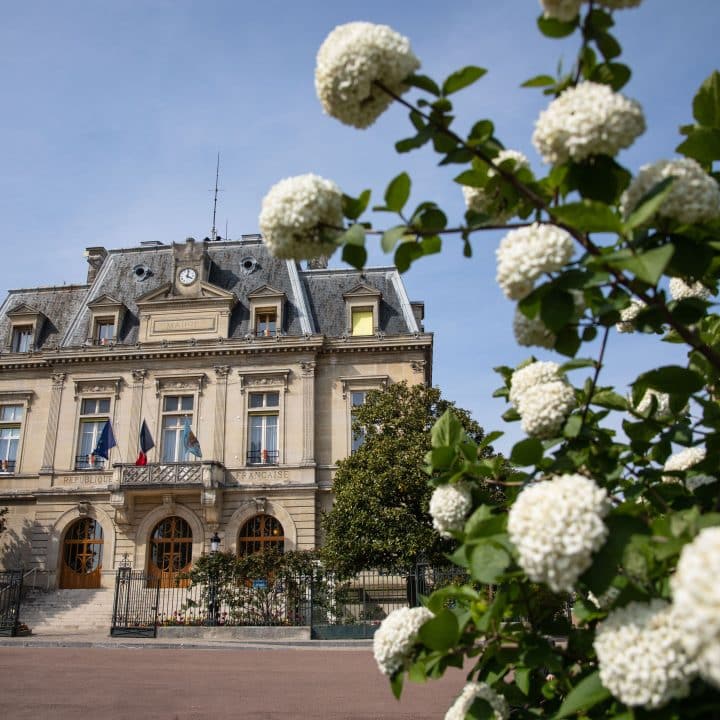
(138, 384)
(307, 374)
(221, 373)
(48, 462)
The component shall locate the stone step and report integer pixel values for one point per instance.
(68, 610)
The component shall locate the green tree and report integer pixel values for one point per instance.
(380, 517)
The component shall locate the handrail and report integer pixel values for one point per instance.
(33, 572)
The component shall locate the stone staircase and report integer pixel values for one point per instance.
(60, 612)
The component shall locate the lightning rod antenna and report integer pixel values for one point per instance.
(213, 232)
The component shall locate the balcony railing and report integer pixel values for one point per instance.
(89, 462)
(262, 457)
(162, 474)
(7, 466)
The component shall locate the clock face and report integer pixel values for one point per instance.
(187, 276)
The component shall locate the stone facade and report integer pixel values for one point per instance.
(258, 354)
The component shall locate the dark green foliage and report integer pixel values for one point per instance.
(380, 517)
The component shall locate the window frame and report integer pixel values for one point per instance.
(98, 419)
(23, 399)
(102, 322)
(263, 540)
(263, 312)
(263, 381)
(88, 389)
(356, 384)
(263, 411)
(180, 413)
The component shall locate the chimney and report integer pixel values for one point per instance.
(95, 257)
(318, 263)
(418, 310)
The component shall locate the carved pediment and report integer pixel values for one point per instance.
(105, 302)
(266, 292)
(159, 293)
(361, 290)
(22, 310)
(207, 292)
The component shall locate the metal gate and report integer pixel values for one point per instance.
(135, 605)
(10, 599)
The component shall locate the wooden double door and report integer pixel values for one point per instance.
(170, 552)
(82, 554)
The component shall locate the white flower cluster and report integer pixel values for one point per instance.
(556, 526)
(662, 409)
(641, 657)
(694, 196)
(396, 636)
(567, 10)
(449, 506)
(526, 253)
(628, 316)
(680, 290)
(478, 200)
(682, 461)
(351, 60)
(696, 602)
(588, 119)
(532, 332)
(543, 398)
(535, 373)
(291, 215)
(473, 691)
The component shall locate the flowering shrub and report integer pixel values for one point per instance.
(612, 498)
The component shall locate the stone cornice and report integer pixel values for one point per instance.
(145, 352)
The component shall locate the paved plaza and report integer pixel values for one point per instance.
(161, 683)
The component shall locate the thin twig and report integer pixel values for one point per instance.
(598, 368)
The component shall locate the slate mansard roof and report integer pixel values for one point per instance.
(314, 304)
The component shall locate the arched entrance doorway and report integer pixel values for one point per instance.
(170, 551)
(82, 555)
(259, 534)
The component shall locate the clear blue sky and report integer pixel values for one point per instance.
(114, 112)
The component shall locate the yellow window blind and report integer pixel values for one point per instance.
(362, 322)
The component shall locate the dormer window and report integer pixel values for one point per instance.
(266, 311)
(266, 322)
(106, 319)
(22, 338)
(362, 310)
(104, 331)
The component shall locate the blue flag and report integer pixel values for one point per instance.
(105, 442)
(190, 442)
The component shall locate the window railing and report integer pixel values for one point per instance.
(7, 466)
(89, 462)
(265, 332)
(263, 457)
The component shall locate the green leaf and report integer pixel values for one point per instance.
(550, 27)
(431, 244)
(424, 83)
(589, 216)
(598, 178)
(706, 103)
(572, 426)
(557, 308)
(487, 562)
(703, 145)
(527, 452)
(354, 255)
(398, 192)
(396, 683)
(568, 341)
(608, 45)
(462, 78)
(441, 632)
(649, 204)
(587, 693)
(472, 178)
(613, 74)
(648, 266)
(406, 253)
(522, 679)
(353, 208)
(408, 144)
(539, 81)
(610, 399)
(672, 379)
(391, 236)
(447, 431)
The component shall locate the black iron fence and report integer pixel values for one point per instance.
(10, 598)
(331, 606)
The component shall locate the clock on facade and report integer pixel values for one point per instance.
(187, 276)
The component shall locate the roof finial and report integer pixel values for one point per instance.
(213, 232)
